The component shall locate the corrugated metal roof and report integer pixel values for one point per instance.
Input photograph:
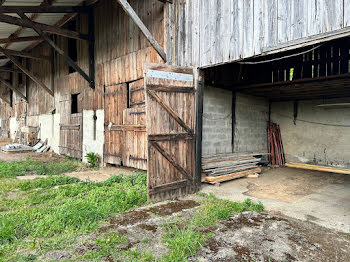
(6, 29)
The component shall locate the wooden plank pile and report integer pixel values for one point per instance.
(224, 167)
(275, 145)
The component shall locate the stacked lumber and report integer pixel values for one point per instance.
(276, 156)
(226, 167)
(319, 168)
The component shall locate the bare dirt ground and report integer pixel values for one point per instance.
(288, 184)
(248, 236)
(102, 174)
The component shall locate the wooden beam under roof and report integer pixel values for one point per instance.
(26, 54)
(9, 69)
(130, 11)
(26, 71)
(33, 17)
(55, 47)
(166, 1)
(60, 23)
(45, 28)
(19, 39)
(43, 9)
(13, 88)
(4, 99)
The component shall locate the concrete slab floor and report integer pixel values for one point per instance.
(319, 197)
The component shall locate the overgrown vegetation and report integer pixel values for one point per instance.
(50, 212)
(20, 168)
(44, 216)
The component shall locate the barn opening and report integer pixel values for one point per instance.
(305, 91)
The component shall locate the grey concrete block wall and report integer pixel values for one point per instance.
(317, 137)
(217, 121)
(251, 122)
(250, 126)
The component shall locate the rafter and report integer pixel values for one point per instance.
(43, 9)
(130, 11)
(19, 39)
(45, 28)
(13, 88)
(26, 71)
(8, 69)
(26, 54)
(4, 99)
(33, 17)
(60, 23)
(55, 47)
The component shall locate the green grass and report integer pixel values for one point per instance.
(20, 168)
(49, 217)
(182, 242)
(213, 210)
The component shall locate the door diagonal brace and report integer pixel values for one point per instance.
(171, 160)
(170, 111)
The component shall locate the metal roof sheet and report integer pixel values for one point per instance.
(7, 29)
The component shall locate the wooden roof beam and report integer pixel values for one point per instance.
(166, 1)
(130, 11)
(43, 9)
(55, 47)
(8, 69)
(13, 88)
(3, 98)
(45, 28)
(26, 71)
(26, 54)
(19, 39)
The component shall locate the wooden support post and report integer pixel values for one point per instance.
(14, 89)
(130, 11)
(45, 28)
(91, 47)
(55, 47)
(26, 71)
(199, 127)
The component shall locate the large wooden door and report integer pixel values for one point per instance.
(170, 100)
(115, 103)
(71, 137)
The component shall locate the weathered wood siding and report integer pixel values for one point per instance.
(204, 33)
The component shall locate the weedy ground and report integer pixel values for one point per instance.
(53, 213)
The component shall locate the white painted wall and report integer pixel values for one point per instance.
(89, 143)
(49, 129)
(13, 127)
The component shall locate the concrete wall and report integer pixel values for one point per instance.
(217, 121)
(13, 127)
(250, 128)
(315, 138)
(50, 129)
(89, 143)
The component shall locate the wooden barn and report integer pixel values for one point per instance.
(157, 84)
